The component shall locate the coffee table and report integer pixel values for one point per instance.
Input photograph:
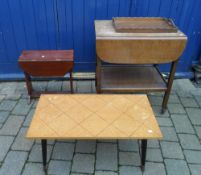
(95, 116)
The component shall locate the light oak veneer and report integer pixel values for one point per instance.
(137, 48)
(94, 117)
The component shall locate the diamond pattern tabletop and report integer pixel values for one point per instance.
(95, 116)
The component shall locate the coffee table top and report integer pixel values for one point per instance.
(94, 117)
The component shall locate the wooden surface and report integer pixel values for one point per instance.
(131, 78)
(47, 63)
(46, 55)
(94, 117)
(144, 25)
(137, 48)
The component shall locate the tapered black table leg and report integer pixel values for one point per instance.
(143, 153)
(44, 154)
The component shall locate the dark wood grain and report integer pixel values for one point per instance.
(46, 63)
(46, 55)
(46, 69)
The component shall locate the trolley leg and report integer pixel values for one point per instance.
(169, 86)
(98, 75)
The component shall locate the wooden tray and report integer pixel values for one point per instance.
(144, 25)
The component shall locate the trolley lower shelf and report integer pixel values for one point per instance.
(123, 78)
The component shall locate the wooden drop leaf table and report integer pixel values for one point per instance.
(46, 63)
(133, 48)
(94, 117)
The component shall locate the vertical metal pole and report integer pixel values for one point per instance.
(169, 85)
(44, 153)
(143, 153)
